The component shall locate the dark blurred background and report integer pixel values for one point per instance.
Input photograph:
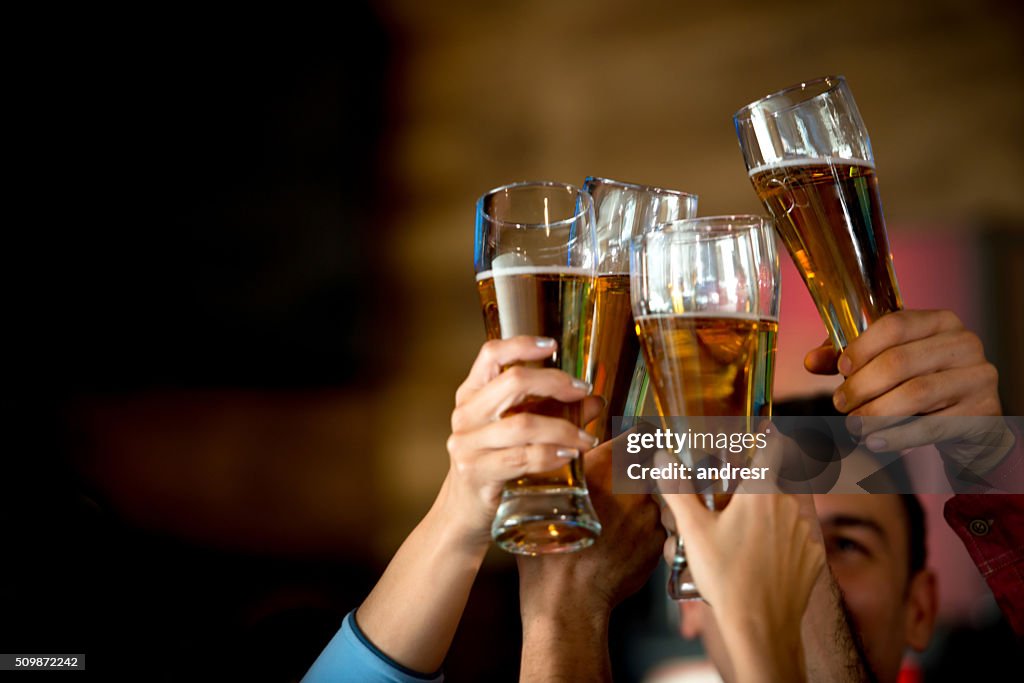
(241, 296)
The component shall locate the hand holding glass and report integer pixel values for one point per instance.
(535, 257)
(705, 295)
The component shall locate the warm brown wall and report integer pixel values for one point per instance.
(490, 93)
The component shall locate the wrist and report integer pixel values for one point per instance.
(551, 591)
(763, 649)
(457, 530)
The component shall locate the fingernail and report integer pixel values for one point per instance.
(845, 365)
(876, 443)
(580, 384)
(839, 400)
(544, 342)
(592, 440)
(854, 424)
(567, 453)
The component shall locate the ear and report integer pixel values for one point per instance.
(691, 618)
(922, 608)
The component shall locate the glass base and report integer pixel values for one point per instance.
(681, 586)
(552, 520)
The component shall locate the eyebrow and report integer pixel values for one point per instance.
(845, 521)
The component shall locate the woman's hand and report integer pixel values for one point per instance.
(755, 563)
(488, 447)
(415, 627)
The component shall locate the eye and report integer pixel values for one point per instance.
(844, 544)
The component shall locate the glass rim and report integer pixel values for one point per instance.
(833, 82)
(639, 186)
(709, 227)
(588, 203)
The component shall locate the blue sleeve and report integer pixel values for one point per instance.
(351, 658)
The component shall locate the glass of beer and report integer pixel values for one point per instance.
(535, 259)
(705, 295)
(809, 158)
(623, 210)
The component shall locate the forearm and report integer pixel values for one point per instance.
(413, 611)
(762, 652)
(567, 644)
(830, 649)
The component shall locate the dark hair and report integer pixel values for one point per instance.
(916, 548)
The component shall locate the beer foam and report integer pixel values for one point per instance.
(534, 270)
(754, 317)
(819, 161)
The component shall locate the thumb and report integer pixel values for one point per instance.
(686, 507)
(822, 360)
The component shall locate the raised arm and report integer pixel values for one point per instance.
(566, 600)
(411, 615)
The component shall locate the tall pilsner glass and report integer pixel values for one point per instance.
(623, 211)
(705, 294)
(810, 161)
(535, 256)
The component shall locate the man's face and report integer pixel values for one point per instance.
(866, 544)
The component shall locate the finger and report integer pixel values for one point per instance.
(894, 329)
(511, 388)
(927, 394)
(661, 460)
(667, 520)
(897, 364)
(687, 509)
(807, 512)
(862, 425)
(771, 456)
(498, 353)
(511, 463)
(822, 360)
(944, 425)
(591, 408)
(520, 430)
(669, 549)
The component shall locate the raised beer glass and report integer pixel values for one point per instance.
(535, 258)
(705, 294)
(809, 158)
(623, 210)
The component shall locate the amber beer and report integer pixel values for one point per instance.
(710, 367)
(614, 347)
(538, 301)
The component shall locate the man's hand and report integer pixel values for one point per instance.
(566, 600)
(919, 363)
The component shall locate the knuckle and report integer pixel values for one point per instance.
(458, 420)
(489, 352)
(990, 374)
(919, 388)
(453, 444)
(889, 328)
(993, 372)
(515, 377)
(970, 344)
(894, 360)
(516, 458)
(948, 320)
(537, 455)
